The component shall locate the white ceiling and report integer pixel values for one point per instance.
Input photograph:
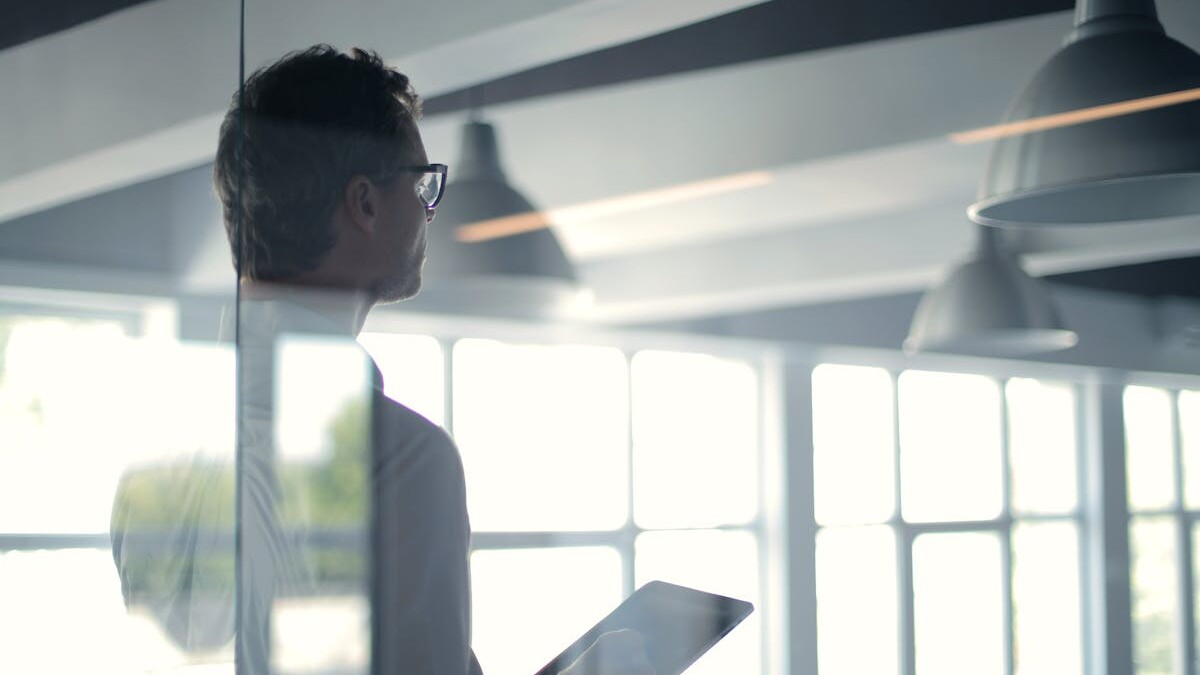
(866, 193)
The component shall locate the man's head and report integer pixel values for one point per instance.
(319, 147)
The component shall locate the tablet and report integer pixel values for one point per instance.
(678, 624)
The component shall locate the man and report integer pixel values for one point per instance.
(327, 192)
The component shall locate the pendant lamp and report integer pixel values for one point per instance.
(525, 275)
(1113, 166)
(989, 306)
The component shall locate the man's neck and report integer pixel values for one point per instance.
(346, 309)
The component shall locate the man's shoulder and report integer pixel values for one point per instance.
(399, 423)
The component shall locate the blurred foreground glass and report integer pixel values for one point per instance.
(312, 551)
(106, 440)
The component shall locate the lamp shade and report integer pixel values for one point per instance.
(1118, 166)
(989, 306)
(525, 274)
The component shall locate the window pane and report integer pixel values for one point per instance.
(530, 604)
(1042, 446)
(853, 445)
(1148, 448)
(1196, 588)
(950, 446)
(544, 435)
(695, 425)
(1048, 634)
(1189, 429)
(721, 562)
(856, 601)
(959, 610)
(1155, 594)
(413, 371)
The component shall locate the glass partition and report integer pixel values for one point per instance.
(117, 415)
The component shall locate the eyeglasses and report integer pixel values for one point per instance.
(431, 185)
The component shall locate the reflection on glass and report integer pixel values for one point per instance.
(853, 446)
(950, 446)
(1155, 593)
(1042, 447)
(63, 613)
(1047, 637)
(104, 434)
(320, 616)
(412, 369)
(723, 562)
(856, 601)
(544, 435)
(1189, 433)
(80, 394)
(317, 381)
(695, 440)
(1151, 468)
(530, 604)
(959, 610)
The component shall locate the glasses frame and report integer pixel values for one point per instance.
(430, 168)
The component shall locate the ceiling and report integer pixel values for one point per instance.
(842, 110)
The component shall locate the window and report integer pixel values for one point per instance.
(591, 471)
(948, 515)
(1162, 437)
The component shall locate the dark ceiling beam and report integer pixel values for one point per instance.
(23, 21)
(771, 29)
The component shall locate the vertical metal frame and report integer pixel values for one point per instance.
(1087, 579)
(1106, 503)
(1006, 550)
(447, 347)
(904, 545)
(801, 519)
(629, 531)
(1185, 620)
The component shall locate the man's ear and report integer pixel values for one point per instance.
(360, 199)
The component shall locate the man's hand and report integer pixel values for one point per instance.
(619, 652)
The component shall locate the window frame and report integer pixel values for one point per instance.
(907, 532)
(1183, 521)
(762, 357)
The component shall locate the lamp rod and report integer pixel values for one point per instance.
(988, 241)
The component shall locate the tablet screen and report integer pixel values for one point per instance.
(679, 624)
